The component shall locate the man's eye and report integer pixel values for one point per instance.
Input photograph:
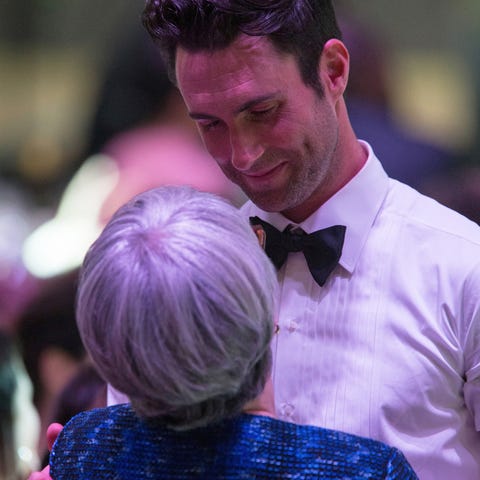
(263, 113)
(208, 125)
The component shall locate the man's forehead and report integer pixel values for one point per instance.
(245, 60)
(244, 48)
(225, 92)
(241, 42)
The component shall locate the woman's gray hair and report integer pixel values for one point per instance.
(175, 306)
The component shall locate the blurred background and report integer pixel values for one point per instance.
(54, 56)
(88, 118)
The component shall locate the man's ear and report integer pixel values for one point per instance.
(334, 68)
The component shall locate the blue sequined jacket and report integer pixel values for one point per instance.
(113, 443)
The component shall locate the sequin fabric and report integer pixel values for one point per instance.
(113, 443)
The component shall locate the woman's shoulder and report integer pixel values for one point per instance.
(332, 451)
(87, 438)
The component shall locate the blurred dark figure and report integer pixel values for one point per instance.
(85, 390)
(459, 189)
(50, 343)
(18, 419)
(141, 137)
(8, 467)
(16, 222)
(133, 91)
(404, 157)
(141, 123)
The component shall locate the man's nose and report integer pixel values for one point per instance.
(246, 148)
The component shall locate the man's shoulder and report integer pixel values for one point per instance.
(423, 212)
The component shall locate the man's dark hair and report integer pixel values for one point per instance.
(297, 27)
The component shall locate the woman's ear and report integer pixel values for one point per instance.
(334, 68)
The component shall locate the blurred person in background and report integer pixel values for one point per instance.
(17, 287)
(64, 381)
(157, 143)
(19, 423)
(141, 123)
(50, 344)
(409, 159)
(84, 391)
(140, 137)
(459, 189)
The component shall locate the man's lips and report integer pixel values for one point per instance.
(264, 174)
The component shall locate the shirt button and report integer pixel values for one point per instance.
(287, 409)
(292, 326)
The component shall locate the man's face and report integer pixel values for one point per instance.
(269, 132)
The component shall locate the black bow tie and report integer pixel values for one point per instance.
(322, 249)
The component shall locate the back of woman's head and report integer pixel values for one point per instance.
(175, 306)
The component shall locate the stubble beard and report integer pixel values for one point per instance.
(310, 175)
(296, 191)
(316, 178)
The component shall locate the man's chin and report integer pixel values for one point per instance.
(268, 203)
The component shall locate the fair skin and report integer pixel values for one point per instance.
(271, 134)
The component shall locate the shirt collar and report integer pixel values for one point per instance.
(355, 205)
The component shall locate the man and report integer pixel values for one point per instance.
(386, 343)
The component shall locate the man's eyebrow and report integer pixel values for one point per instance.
(242, 108)
(201, 116)
(256, 101)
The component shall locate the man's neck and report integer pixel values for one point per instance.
(354, 161)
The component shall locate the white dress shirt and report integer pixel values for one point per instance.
(389, 348)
